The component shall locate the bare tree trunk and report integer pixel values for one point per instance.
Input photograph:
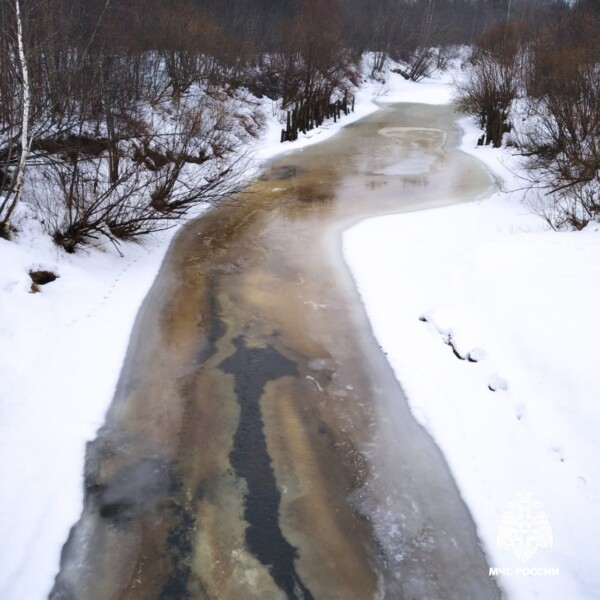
(25, 140)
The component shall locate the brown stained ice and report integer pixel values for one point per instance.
(258, 445)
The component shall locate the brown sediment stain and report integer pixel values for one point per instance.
(258, 273)
(314, 494)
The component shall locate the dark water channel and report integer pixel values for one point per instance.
(258, 445)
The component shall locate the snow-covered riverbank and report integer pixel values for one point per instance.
(492, 280)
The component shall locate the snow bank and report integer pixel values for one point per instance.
(62, 351)
(490, 280)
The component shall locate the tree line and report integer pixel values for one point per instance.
(540, 82)
(119, 116)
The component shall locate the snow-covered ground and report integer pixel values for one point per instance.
(494, 278)
(61, 351)
(490, 278)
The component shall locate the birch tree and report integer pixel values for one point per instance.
(14, 193)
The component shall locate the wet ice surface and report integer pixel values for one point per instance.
(415, 163)
(422, 147)
(357, 497)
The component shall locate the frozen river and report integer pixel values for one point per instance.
(258, 445)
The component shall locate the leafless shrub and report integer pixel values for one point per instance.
(486, 92)
(562, 137)
(491, 80)
(162, 176)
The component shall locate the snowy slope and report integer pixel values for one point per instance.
(61, 351)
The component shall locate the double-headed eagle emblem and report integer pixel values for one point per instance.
(524, 527)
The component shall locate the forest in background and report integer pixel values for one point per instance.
(117, 117)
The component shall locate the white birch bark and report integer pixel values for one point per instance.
(25, 115)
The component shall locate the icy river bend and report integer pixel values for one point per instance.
(258, 445)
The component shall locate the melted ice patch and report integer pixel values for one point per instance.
(423, 147)
(428, 137)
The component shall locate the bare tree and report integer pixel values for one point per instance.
(562, 141)
(491, 81)
(15, 191)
